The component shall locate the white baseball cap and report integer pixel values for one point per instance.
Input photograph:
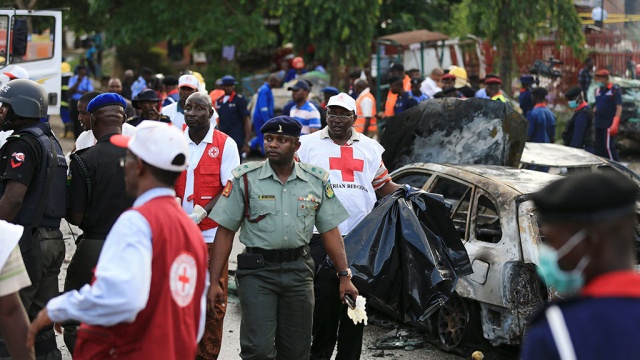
(342, 100)
(18, 72)
(158, 144)
(189, 81)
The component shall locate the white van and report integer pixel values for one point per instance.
(32, 39)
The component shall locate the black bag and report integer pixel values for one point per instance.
(406, 255)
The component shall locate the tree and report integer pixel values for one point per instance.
(511, 23)
(406, 15)
(340, 31)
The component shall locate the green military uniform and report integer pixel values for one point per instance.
(281, 290)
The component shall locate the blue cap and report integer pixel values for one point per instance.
(228, 80)
(282, 125)
(301, 84)
(526, 79)
(331, 90)
(106, 99)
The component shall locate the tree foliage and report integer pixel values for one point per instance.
(509, 23)
(406, 15)
(340, 30)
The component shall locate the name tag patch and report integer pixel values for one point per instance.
(266, 197)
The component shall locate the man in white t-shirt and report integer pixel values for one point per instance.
(430, 84)
(187, 85)
(357, 174)
(212, 157)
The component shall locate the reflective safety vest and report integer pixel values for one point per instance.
(499, 97)
(206, 178)
(360, 120)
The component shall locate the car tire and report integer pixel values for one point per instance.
(458, 322)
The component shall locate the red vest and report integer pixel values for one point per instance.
(167, 327)
(206, 177)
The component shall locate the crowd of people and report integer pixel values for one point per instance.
(158, 185)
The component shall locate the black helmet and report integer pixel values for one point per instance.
(27, 98)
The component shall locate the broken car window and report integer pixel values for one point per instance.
(416, 180)
(487, 221)
(459, 195)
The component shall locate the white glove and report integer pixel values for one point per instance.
(359, 314)
(198, 214)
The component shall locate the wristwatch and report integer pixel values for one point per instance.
(344, 273)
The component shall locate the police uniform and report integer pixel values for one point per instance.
(96, 189)
(526, 103)
(33, 157)
(603, 320)
(607, 98)
(275, 274)
(232, 110)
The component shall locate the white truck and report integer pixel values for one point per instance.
(32, 39)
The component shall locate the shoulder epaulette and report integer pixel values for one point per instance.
(246, 167)
(316, 171)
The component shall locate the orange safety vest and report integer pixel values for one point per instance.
(360, 120)
(206, 178)
(391, 97)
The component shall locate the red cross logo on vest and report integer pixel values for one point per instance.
(182, 279)
(346, 163)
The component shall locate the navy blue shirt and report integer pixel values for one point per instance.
(232, 114)
(404, 102)
(607, 97)
(542, 125)
(526, 103)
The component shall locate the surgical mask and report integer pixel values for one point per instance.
(600, 84)
(573, 104)
(565, 282)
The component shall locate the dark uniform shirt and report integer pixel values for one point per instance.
(404, 102)
(105, 198)
(603, 322)
(526, 103)
(579, 131)
(232, 114)
(607, 97)
(136, 120)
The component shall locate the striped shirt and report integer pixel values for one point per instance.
(13, 275)
(308, 115)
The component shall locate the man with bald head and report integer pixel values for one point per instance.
(212, 157)
(115, 86)
(96, 193)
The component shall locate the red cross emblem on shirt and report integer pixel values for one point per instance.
(183, 278)
(346, 163)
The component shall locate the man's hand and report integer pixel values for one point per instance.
(215, 295)
(246, 149)
(41, 321)
(154, 114)
(347, 287)
(198, 214)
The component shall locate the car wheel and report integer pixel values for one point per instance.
(457, 322)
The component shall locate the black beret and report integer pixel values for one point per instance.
(397, 67)
(170, 80)
(282, 125)
(573, 92)
(589, 197)
(105, 99)
(526, 79)
(539, 91)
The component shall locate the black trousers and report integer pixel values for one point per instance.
(605, 145)
(330, 320)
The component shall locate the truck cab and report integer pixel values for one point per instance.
(32, 39)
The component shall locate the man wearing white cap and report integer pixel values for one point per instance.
(187, 85)
(357, 174)
(14, 322)
(153, 267)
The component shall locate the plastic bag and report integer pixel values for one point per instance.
(406, 255)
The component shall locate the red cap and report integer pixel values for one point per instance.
(602, 72)
(297, 62)
(493, 80)
(448, 76)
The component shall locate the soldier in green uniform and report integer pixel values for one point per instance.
(277, 202)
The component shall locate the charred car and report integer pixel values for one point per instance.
(494, 216)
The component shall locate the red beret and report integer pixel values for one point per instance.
(602, 72)
(448, 76)
(493, 81)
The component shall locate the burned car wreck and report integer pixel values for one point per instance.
(467, 151)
